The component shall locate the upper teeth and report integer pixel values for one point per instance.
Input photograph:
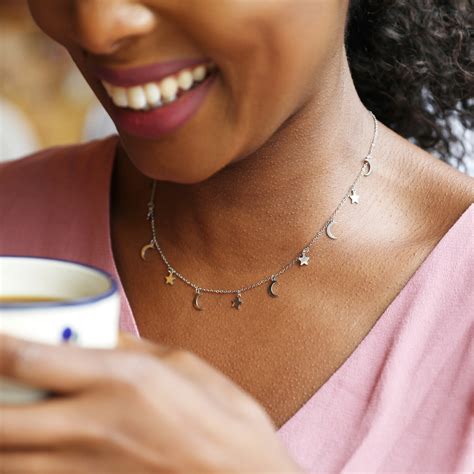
(154, 94)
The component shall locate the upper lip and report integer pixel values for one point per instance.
(144, 74)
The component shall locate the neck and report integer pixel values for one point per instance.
(260, 211)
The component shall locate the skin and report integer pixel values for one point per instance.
(246, 182)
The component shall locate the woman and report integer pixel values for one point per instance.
(349, 334)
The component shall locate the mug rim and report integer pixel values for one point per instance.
(59, 304)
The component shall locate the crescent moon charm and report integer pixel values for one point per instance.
(329, 230)
(369, 164)
(271, 288)
(196, 301)
(145, 249)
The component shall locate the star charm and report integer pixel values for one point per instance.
(303, 259)
(170, 278)
(237, 302)
(354, 197)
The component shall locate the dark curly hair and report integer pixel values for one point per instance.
(412, 62)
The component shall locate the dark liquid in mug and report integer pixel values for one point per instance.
(20, 299)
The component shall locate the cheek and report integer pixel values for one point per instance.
(271, 55)
(304, 43)
(51, 16)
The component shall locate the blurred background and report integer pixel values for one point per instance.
(44, 101)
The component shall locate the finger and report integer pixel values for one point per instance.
(180, 361)
(28, 463)
(61, 368)
(43, 462)
(186, 363)
(55, 422)
(216, 384)
(68, 369)
(128, 341)
(192, 367)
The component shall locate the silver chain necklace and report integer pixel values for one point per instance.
(302, 259)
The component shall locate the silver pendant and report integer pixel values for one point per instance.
(369, 165)
(237, 301)
(354, 197)
(303, 259)
(145, 249)
(196, 304)
(329, 232)
(271, 288)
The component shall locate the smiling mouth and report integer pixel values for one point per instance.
(157, 94)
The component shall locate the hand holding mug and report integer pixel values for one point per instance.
(141, 407)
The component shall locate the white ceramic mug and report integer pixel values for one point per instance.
(86, 312)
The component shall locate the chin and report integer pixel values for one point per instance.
(185, 176)
(188, 158)
(191, 170)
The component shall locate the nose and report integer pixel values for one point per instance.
(102, 26)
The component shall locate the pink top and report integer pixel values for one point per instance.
(402, 402)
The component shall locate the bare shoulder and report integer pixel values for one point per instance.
(430, 194)
(445, 191)
(412, 200)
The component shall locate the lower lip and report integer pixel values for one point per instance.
(157, 122)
